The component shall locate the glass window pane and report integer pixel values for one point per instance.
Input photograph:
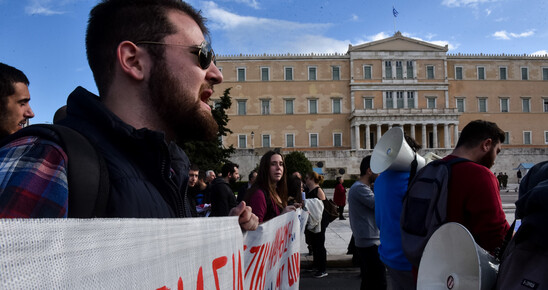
(411, 100)
(368, 103)
(481, 73)
(388, 69)
(265, 74)
(409, 69)
(337, 140)
(336, 106)
(367, 72)
(311, 73)
(265, 107)
(313, 106)
(241, 74)
(242, 141)
(527, 138)
(502, 73)
(266, 141)
(289, 107)
(313, 140)
(336, 73)
(288, 73)
(524, 74)
(504, 105)
(460, 105)
(399, 70)
(290, 140)
(525, 105)
(458, 73)
(241, 107)
(389, 100)
(482, 105)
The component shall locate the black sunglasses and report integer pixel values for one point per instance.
(205, 52)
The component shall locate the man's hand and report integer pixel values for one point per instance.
(247, 219)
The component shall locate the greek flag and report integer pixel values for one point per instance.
(394, 11)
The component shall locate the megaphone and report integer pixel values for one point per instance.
(393, 152)
(453, 260)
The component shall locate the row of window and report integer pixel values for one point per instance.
(503, 73)
(407, 99)
(392, 99)
(391, 70)
(241, 73)
(504, 105)
(527, 137)
(336, 106)
(313, 140)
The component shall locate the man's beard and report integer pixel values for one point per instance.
(487, 160)
(178, 109)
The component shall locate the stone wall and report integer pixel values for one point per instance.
(349, 160)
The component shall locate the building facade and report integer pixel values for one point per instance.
(347, 101)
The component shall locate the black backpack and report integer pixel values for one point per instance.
(525, 260)
(87, 173)
(425, 206)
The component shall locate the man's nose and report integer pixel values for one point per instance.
(29, 113)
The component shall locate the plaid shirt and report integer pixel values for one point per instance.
(33, 179)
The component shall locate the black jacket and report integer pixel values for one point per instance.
(148, 177)
(222, 197)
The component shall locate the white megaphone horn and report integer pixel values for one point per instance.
(452, 260)
(392, 152)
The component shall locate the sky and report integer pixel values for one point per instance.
(45, 38)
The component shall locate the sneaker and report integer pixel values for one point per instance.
(320, 274)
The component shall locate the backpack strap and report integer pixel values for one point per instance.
(87, 172)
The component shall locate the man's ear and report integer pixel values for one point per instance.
(486, 144)
(132, 60)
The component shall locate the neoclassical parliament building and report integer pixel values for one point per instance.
(346, 102)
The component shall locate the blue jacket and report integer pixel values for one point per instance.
(390, 188)
(148, 177)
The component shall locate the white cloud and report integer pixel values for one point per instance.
(248, 34)
(540, 53)
(355, 17)
(41, 7)
(250, 3)
(501, 35)
(488, 11)
(378, 36)
(465, 3)
(504, 35)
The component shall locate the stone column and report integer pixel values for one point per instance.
(367, 136)
(424, 144)
(413, 131)
(435, 134)
(352, 138)
(405, 100)
(357, 136)
(456, 138)
(379, 127)
(446, 139)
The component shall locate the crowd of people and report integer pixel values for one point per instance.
(154, 86)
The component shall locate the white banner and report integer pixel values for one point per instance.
(198, 253)
(272, 259)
